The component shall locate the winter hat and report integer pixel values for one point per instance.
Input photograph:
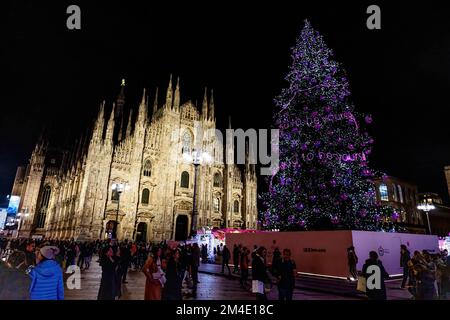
(49, 252)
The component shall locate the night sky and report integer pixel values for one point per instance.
(56, 78)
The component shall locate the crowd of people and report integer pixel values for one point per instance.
(425, 275)
(281, 271)
(165, 268)
(30, 270)
(37, 264)
(34, 268)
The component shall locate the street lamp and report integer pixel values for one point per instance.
(118, 188)
(197, 157)
(426, 207)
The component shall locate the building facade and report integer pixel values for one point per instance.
(70, 194)
(403, 197)
(439, 217)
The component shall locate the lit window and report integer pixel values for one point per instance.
(383, 192)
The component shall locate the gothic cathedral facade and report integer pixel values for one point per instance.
(138, 181)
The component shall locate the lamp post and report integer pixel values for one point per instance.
(426, 207)
(118, 188)
(197, 158)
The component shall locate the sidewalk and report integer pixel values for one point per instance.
(333, 286)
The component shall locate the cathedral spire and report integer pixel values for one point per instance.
(155, 103)
(110, 127)
(229, 144)
(100, 123)
(246, 154)
(120, 102)
(205, 105)
(249, 158)
(169, 94)
(211, 106)
(143, 111)
(143, 100)
(129, 124)
(120, 135)
(176, 100)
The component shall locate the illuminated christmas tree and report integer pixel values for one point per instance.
(324, 180)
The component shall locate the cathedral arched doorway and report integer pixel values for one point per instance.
(181, 227)
(141, 232)
(109, 230)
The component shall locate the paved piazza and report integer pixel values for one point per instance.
(212, 286)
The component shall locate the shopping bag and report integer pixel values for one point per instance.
(361, 286)
(257, 286)
(157, 275)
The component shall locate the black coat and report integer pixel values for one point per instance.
(236, 254)
(174, 283)
(259, 269)
(125, 255)
(108, 285)
(14, 283)
(376, 294)
(226, 254)
(404, 258)
(195, 256)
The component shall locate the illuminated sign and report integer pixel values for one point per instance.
(13, 206)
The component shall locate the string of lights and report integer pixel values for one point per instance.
(314, 188)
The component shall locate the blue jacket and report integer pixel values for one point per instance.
(47, 281)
